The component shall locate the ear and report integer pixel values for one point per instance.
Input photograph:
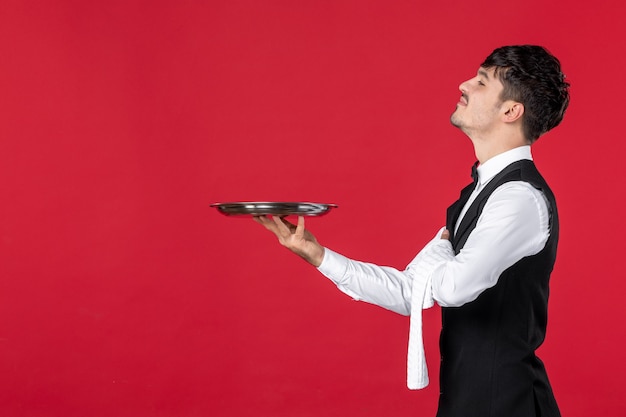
(513, 111)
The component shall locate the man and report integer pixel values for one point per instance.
(489, 267)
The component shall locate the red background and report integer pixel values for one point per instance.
(123, 294)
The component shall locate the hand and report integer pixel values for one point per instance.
(445, 234)
(295, 238)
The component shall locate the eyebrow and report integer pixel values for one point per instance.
(483, 73)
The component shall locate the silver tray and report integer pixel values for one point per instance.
(275, 208)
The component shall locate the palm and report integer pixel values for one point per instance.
(294, 237)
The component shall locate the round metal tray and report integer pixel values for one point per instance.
(273, 208)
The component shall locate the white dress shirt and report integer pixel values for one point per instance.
(514, 224)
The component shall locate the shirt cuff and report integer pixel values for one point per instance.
(333, 265)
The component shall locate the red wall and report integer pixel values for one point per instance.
(123, 294)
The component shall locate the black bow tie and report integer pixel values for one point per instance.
(475, 172)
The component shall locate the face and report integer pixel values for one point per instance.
(478, 110)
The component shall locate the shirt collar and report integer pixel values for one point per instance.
(494, 165)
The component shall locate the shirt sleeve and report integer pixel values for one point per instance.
(385, 286)
(513, 224)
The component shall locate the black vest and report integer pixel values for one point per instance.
(488, 362)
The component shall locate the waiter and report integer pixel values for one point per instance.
(489, 266)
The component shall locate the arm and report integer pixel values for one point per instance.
(514, 224)
(380, 285)
(383, 286)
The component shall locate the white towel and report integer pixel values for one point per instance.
(421, 269)
(417, 371)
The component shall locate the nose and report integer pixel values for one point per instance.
(463, 86)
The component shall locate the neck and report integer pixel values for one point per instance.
(487, 148)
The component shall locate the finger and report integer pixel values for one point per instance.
(300, 228)
(445, 234)
(283, 225)
(262, 220)
(267, 223)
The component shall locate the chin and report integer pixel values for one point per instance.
(456, 121)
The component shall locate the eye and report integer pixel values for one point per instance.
(481, 83)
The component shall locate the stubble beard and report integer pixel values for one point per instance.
(456, 119)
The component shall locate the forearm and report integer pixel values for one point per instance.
(513, 225)
(383, 286)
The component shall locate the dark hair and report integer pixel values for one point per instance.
(533, 77)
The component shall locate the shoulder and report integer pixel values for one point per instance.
(518, 197)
